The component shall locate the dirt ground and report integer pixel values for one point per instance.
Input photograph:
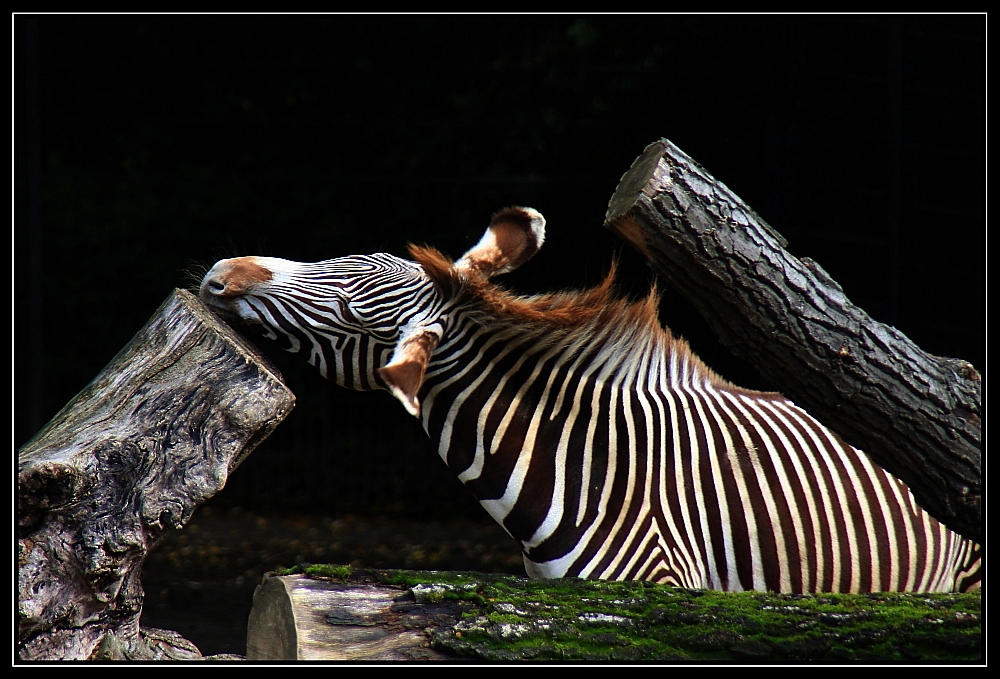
(199, 581)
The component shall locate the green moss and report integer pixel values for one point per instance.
(330, 571)
(515, 618)
(319, 571)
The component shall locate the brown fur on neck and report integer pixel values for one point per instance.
(597, 307)
(558, 309)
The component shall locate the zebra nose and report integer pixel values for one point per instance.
(219, 284)
(214, 286)
(234, 277)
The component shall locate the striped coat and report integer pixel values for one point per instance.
(598, 440)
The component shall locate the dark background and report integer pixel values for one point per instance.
(148, 147)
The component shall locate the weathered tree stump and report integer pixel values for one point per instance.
(338, 613)
(916, 415)
(154, 435)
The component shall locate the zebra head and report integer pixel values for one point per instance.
(368, 321)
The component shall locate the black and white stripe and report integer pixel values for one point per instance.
(632, 463)
(344, 315)
(610, 451)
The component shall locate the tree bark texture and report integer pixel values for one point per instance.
(916, 415)
(154, 435)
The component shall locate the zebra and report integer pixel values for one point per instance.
(595, 437)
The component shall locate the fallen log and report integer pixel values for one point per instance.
(153, 436)
(296, 617)
(916, 415)
(340, 613)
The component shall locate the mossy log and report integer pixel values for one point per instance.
(153, 436)
(916, 415)
(338, 613)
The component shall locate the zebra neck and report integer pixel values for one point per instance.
(498, 404)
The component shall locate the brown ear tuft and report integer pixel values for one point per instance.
(404, 380)
(514, 235)
(405, 372)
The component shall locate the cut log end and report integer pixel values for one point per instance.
(295, 617)
(632, 183)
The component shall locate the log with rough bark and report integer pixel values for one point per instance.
(340, 613)
(154, 435)
(916, 415)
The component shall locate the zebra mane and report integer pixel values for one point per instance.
(624, 327)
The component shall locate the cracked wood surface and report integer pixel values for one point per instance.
(153, 436)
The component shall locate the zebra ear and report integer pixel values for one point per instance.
(404, 374)
(514, 235)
